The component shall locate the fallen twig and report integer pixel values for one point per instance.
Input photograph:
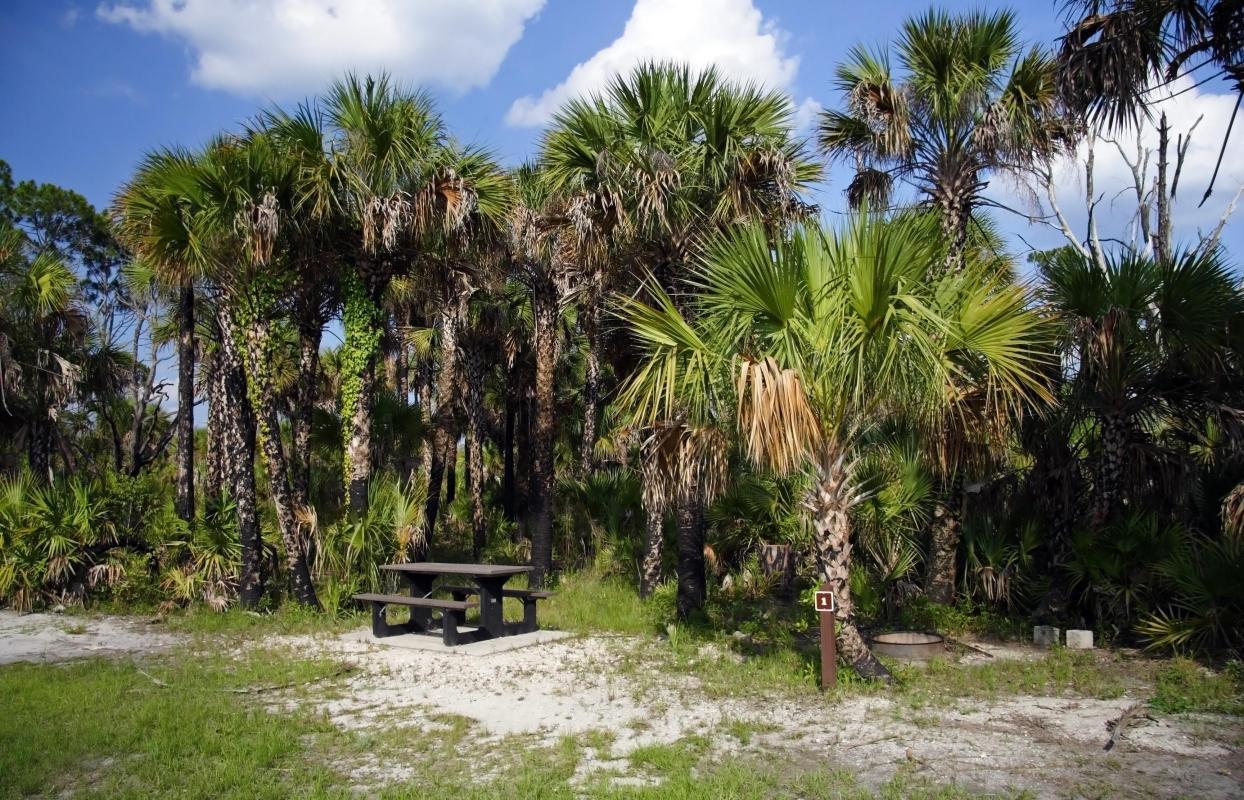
(346, 669)
(1116, 726)
(152, 678)
(871, 741)
(969, 646)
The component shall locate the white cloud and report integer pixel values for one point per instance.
(287, 47)
(1113, 178)
(806, 115)
(732, 34)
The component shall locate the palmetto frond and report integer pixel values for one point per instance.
(681, 373)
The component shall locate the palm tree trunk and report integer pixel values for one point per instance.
(304, 411)
(423, 394)
(39, 447)
(474, 363)
(401, 365)
(361, 320)
(831, 523)
(237, 444)
(217, 422)
(952, 197)
(507, 456)
(268, 433)
(523, 455)
(692, 587)
(1112, 463)
(185, 403)
(591, 377)
(451, 470)
(358, 448)
(446, 392)
(544, 333)
(939, 582)
(654, 504)
(650, 570)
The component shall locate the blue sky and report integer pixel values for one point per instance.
(89, 87)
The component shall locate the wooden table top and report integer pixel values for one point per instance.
(444, 568)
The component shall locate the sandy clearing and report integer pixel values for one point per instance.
(1049, 746)
(58, 637)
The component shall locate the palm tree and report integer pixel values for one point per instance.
(45, 339)
(543, 256)
(466, 198)
(159, 216)
(1151, 341)
(246, 189)
(661, 158)
(384, 141)
(314, 246)
(152, 221)
(802, 343)
(968, 101)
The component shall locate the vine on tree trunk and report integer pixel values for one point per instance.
(361, 321)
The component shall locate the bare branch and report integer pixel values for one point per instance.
(1211, 242)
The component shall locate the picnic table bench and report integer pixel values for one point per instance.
(487, 594)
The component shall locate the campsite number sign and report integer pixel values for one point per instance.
(826, 605)
(825, 601)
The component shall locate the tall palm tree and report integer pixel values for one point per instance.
(385, 140)
(160, 216)
(45, 341)
(801, 343)
(658, 160)
(543, 257)
(246, 192)
(968, 101)
(152, 220)
(466, 199)
(318, 231)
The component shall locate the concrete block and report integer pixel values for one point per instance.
(1045, 635)
(1080, 640)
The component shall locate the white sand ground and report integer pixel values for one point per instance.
(1050, 746)
(56, 637)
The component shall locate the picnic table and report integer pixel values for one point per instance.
(487, 592)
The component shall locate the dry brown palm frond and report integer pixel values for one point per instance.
(259, 225)
(702, 451)
(109, 573)
(383, 221)
(779, 427)
(870, 187)
(446, 201)
(658, 467)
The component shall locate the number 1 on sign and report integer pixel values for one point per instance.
(825, 601)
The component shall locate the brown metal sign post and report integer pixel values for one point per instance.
(825, 606)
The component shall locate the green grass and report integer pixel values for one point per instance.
(584, 602)
(1184, 685)
(289, 619)
(106, 730)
